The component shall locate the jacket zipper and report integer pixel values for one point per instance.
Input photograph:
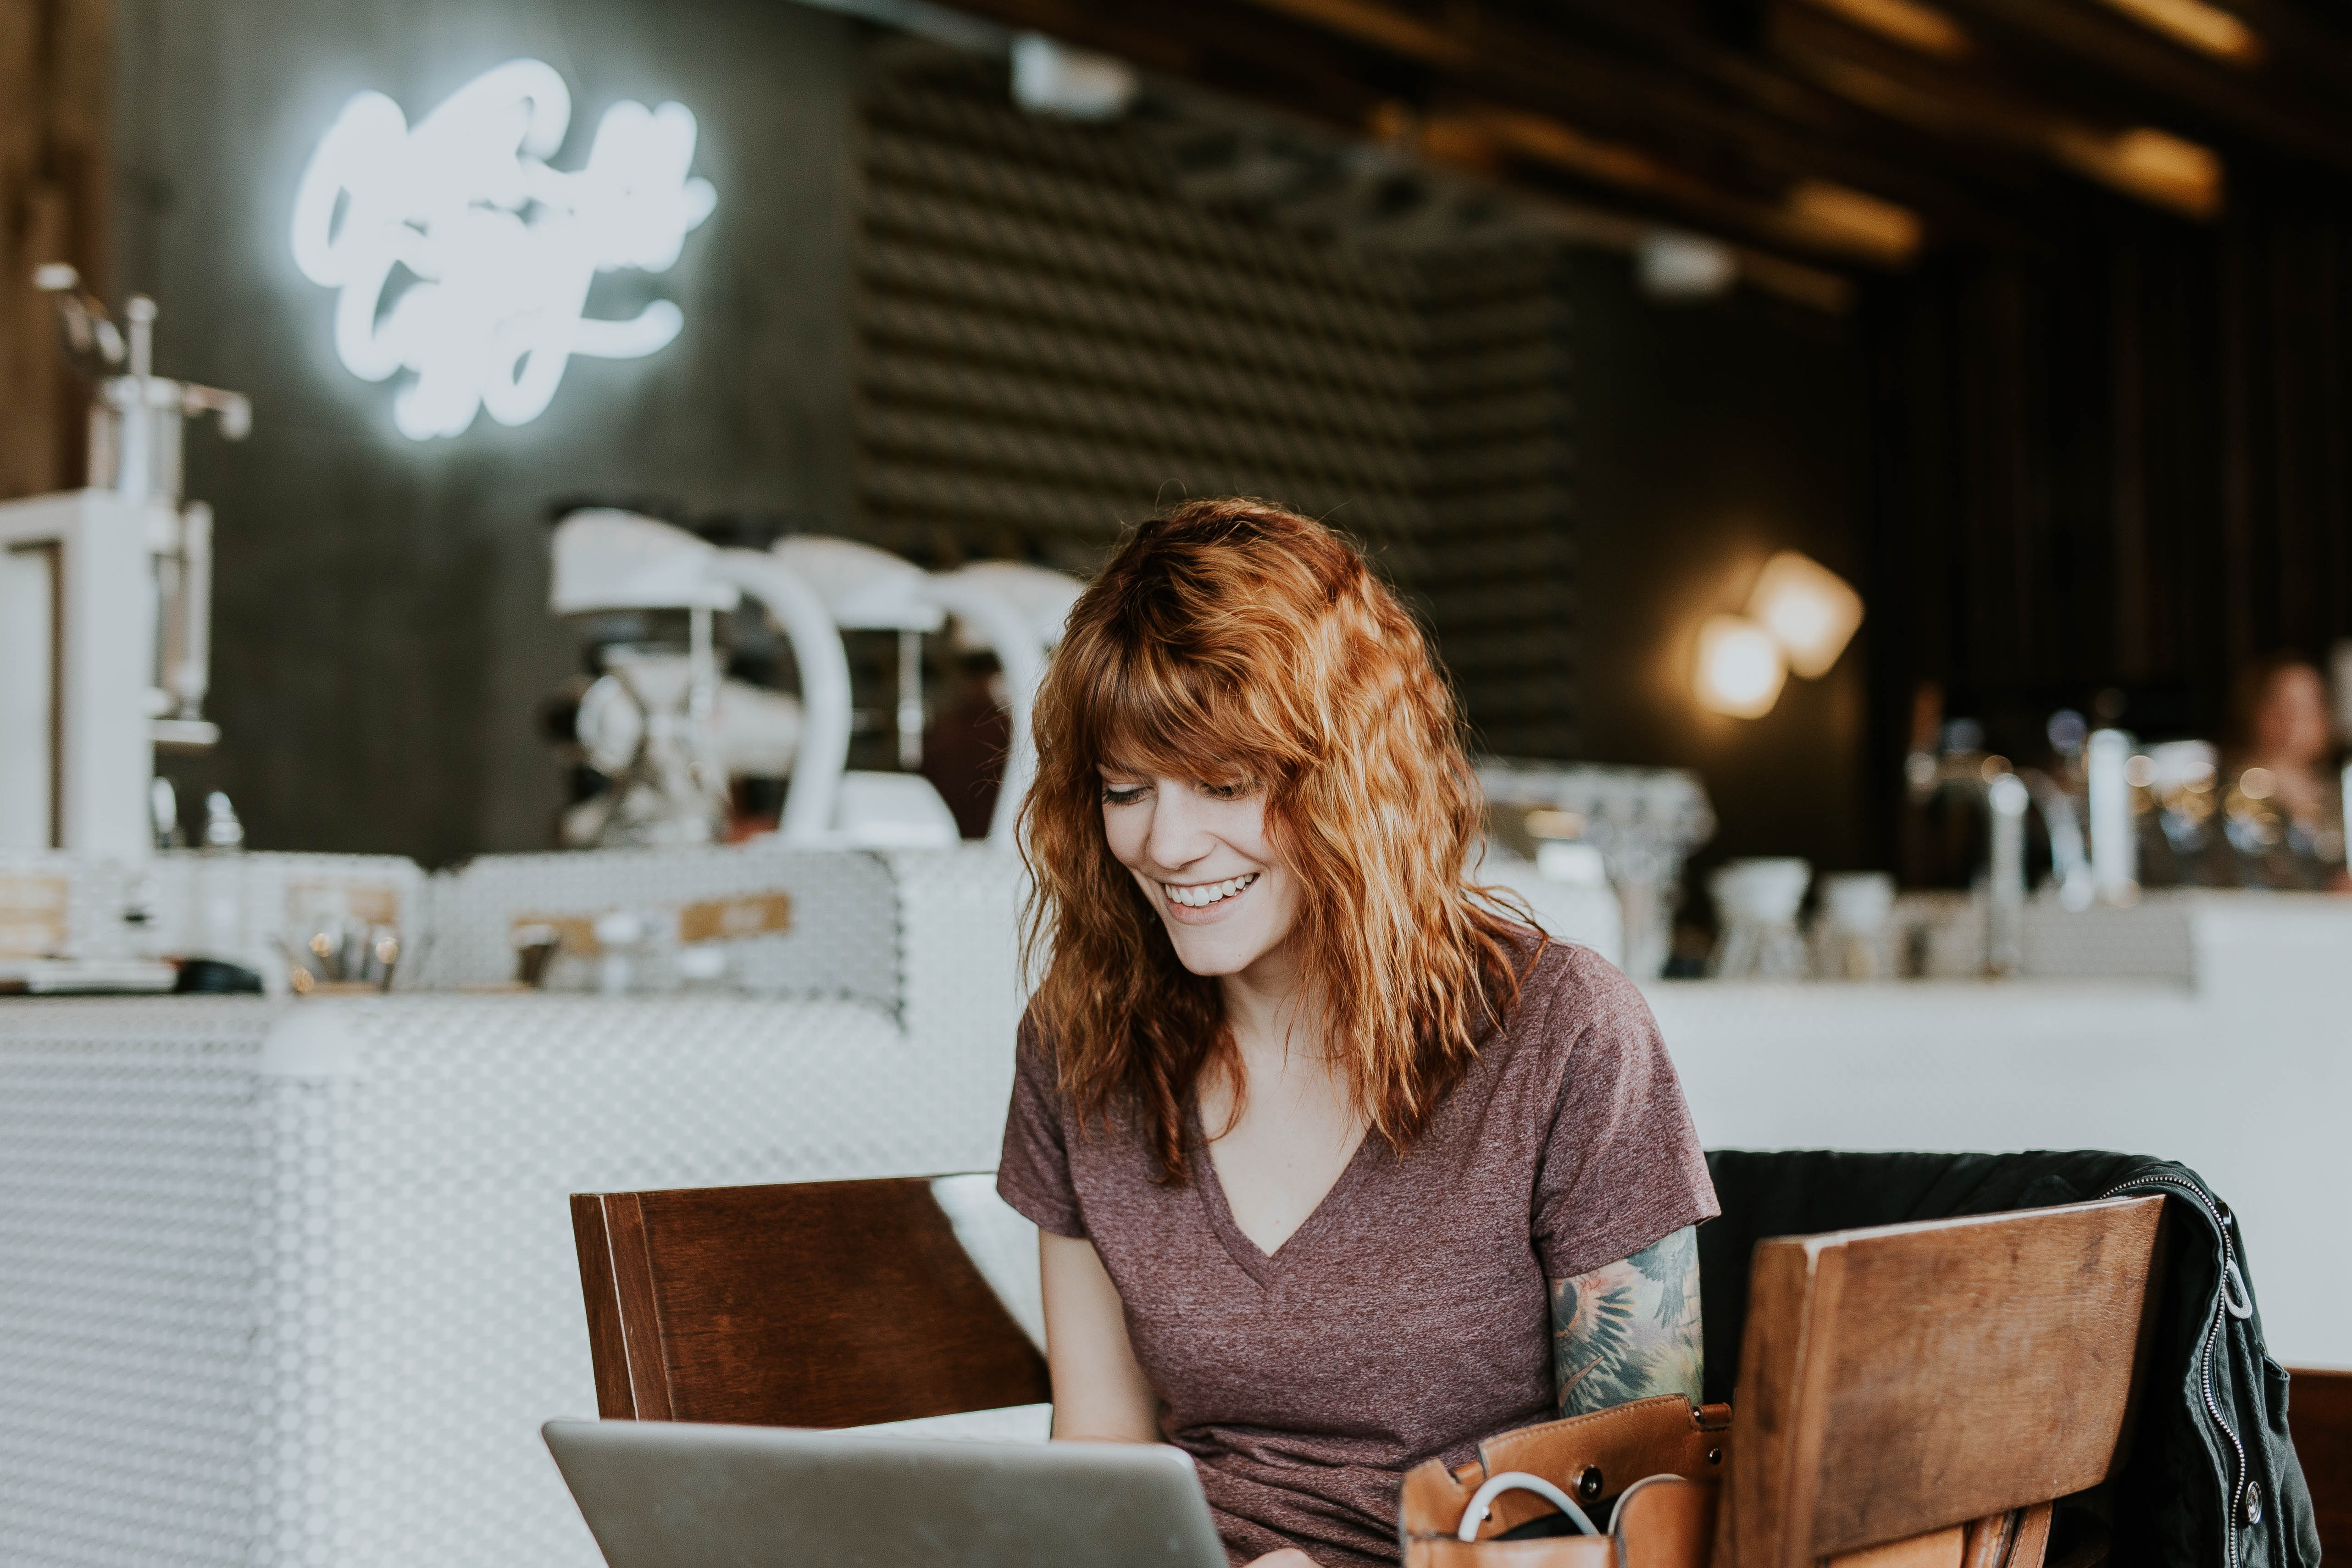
(2235, 1484)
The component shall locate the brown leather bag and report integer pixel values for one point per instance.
(1661, 1460)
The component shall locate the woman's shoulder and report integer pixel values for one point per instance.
(1036, 1064)
(1567, 990)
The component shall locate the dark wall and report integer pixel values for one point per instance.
(1708, 436)
(2112, 468)
(1056, 336)
(381, 635)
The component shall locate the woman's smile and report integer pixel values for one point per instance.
(1201, 854)
(1199, 903)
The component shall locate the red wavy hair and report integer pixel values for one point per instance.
(1230, 640)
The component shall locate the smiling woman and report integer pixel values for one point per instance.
(1339, 1167)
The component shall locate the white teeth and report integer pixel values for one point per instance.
(1205, 893)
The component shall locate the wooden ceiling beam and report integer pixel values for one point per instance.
(1766, 126)
(2145, 164)
(1382, 28)
(1967, 110)
(1512, 143)
(2160, 82)
(1816, 144)
(1267, 51)
(1807, 130)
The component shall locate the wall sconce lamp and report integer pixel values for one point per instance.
(1740, 668)
(1800, 615)
(1810, 611)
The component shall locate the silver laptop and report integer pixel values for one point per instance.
(662, 1494)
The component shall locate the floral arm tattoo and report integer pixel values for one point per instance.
(1630, 1331)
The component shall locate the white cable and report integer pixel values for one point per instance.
(1518, 1480)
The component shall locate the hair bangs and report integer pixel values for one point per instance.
(1153, 710)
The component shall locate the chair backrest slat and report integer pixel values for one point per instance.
(808, 1304)
(1904, 1379)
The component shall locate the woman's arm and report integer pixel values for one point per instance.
(1629, 1331)
(1100, 1395)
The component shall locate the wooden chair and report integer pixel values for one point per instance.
(813, 1304)
(1919, 1395)
(1910, 1396)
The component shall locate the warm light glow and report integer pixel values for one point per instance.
(1810, 611)
(1855, 221)
(1739, 667)
(1917, 27)
(2153, 165)
(2207, 28)
(501, 247)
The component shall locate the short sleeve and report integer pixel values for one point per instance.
(1032, 1173)
(1622, 1166)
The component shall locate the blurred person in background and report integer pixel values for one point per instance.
(2281, 802)
(964, 749)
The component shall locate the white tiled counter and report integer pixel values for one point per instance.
(293, 1282)
(2244, 1073)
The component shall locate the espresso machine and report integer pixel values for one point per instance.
(106, 601)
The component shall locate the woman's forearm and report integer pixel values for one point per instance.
(1100, 1394)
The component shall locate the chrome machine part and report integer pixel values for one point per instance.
(647, 723)
(136, 452)
(647, 726)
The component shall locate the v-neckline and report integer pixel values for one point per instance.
(1260, 1265)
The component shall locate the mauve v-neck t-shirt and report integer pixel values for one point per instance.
(1408, 1315)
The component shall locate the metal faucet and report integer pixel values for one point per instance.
(2007, 795)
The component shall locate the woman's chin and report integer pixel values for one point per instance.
(1212, 951)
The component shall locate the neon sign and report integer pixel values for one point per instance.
(501, 249)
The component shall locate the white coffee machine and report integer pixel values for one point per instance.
(106, 601)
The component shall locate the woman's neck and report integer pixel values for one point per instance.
(1280, 1045)
(1265, 1007)
(1279, 1100)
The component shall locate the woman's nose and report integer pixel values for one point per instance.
(1179, 834)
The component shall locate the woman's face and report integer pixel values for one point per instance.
(2290, 726)
(1199, 852)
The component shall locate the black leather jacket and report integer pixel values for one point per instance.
(2212, 1480)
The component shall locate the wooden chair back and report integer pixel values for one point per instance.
(811, 1304)
(1912, 1394)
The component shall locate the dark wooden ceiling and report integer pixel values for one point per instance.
(1844, 134)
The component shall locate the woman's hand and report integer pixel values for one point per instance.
(1288, 1557)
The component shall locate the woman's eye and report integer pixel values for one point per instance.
(1121, 794)
(1225, 791)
